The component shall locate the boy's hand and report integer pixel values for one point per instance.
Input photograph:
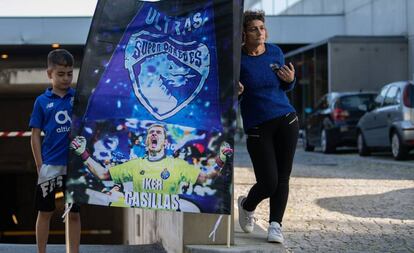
(38, 168)
(78, 145)
(240, 89)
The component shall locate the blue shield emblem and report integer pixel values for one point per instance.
(166, 74)
(163, 68)
(165, 174)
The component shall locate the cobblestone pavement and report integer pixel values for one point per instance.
(341, 202)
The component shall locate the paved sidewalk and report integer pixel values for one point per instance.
(31, 248)
(341, 203)
(244, 243)
(345, 203)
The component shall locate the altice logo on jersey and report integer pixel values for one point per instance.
(62, 118)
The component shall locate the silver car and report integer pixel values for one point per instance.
(389, 122)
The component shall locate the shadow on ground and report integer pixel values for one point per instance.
(395, 204)
(355, 242)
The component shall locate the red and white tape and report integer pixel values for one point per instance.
(16, 134)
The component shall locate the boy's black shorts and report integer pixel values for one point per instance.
(45, 195)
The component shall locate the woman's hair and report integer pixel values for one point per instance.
(249, 16)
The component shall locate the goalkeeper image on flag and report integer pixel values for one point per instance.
(155, 180)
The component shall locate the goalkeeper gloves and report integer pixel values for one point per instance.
(78, 145)
(225, 152)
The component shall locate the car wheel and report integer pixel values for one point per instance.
(399, 152)
(326, 143)
(363, 150)
(306, 146)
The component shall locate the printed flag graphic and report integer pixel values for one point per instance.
(169, 64)
(154, 111)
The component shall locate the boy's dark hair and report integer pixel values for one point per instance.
(249, 16)
(59, 57)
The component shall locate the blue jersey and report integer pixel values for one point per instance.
(264, 96)
(52, 114)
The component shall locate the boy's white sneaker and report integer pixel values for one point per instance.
(246, 218)
(274, 233)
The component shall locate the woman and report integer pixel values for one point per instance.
(270, 123)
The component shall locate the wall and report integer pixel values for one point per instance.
(18, 76)
(303, 29)
(44, 30)
(365, 18)
(366, 64)
(316, 7)
(410, 27)
(148, 226)
(375, 17)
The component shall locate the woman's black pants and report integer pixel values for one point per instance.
(271, 146)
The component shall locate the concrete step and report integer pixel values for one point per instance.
(60, 248)
(243, 243)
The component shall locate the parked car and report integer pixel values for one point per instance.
(389, 122)
(332, 123)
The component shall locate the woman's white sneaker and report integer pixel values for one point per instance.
(274, 233)
(246, 218)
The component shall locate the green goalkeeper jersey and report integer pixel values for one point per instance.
(164, 176)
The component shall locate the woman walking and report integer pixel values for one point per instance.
(269, 121)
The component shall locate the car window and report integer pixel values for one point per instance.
(322, 104)
(353, 102)
(398, 97)
(380, 98)
(391, 96)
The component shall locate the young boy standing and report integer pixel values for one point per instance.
(52, 114)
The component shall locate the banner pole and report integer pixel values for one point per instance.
(228, 230)
(67, 234)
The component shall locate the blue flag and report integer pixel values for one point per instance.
(154, 111)
(164, 68)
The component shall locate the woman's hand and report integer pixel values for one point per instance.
(241, 89)
(287, 73)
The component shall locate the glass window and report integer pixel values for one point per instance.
(380, 98)
(322, 104)
(353, 102)
(391, 96)
(398, 97)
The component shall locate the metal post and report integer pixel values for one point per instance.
(228, 230)
(67, 241)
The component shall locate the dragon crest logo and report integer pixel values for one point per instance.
(166, 74)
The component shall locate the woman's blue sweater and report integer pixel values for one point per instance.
(264, 97)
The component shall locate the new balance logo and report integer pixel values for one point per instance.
(50, 105)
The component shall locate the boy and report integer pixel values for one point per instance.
(51, 114)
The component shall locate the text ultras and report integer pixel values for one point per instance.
(167, 25)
